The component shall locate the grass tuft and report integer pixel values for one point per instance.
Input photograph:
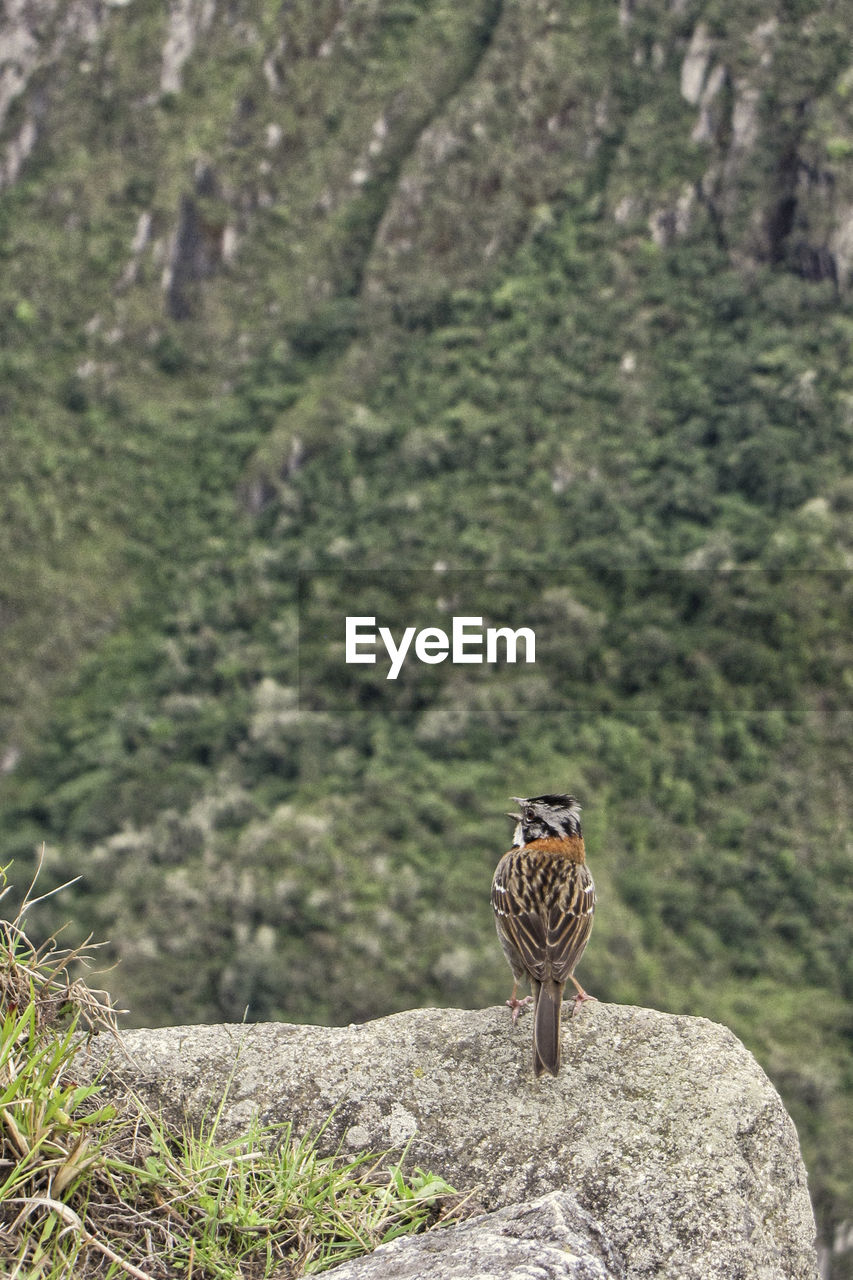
(93, 1188)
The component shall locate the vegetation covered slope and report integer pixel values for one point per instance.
(536, 313)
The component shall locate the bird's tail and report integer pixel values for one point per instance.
(546, 1027)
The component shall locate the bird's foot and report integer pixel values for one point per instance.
(581, 998)
(517, 1005)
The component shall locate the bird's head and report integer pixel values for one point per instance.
(541, 816)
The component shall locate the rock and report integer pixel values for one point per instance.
(663, 1127)
(187, 20)
(694, 68)
(32, 37)
(551, 1238)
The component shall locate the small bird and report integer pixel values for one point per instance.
(543, 898)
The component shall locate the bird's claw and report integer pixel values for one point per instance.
(517, 1005)
(581, 998)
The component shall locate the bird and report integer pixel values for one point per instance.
(543, 897)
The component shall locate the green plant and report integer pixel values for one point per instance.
(270, 1198)
(88, 1184)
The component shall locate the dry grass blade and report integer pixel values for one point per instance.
(75, 1222)
(44, 973)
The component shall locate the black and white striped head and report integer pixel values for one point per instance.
(541, 816)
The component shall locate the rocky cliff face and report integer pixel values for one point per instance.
(690, 111)
(662, 1149)
(230, 167)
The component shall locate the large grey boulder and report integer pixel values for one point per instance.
(664, 1128)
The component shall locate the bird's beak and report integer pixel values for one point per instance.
(516, 817)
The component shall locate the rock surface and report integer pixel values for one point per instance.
(663, 1127)
(550, 1239)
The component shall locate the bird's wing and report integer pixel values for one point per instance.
(518, 920)
(570, 923)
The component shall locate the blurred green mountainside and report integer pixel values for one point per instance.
(534, 312)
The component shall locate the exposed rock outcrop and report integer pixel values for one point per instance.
(663, 1128)
(34, 34)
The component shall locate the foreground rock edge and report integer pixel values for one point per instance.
(551, 1238)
